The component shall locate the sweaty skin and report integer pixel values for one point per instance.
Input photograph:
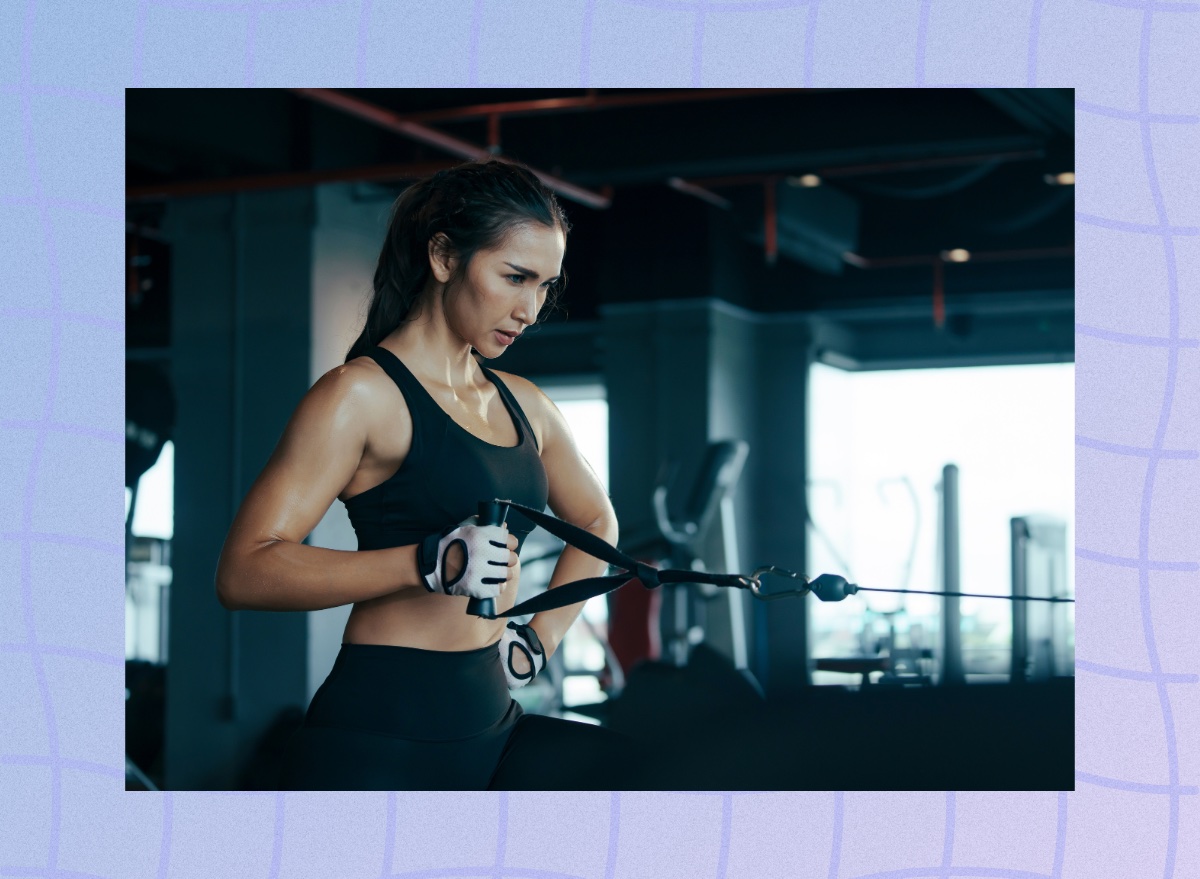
(352, 431)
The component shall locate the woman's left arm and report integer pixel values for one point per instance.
(578, 497)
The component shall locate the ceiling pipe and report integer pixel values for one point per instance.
(494, 133)
(893, 262)
(1014, 255)
(931, 162)
(879, 167)
(592, 101)
(678, 183)
(184, 189)
(938, 263)
(770, 222)
(394, 122)
(888, 262)
(939, 294)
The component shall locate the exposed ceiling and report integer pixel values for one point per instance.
(677, 194)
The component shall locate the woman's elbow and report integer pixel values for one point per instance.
(229, 593)
(608, 530)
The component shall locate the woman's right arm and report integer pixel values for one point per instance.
(264, 565)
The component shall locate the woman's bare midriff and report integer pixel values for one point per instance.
(411, 617)
(420, 619)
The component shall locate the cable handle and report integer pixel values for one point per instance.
(490, 513)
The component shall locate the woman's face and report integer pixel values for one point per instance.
(505, 288)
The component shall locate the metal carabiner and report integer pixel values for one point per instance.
(754, 583)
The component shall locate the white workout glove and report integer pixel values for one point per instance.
(515, 640)
(485, 559)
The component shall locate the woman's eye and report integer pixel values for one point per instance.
(519, 279)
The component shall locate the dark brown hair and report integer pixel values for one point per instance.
(474, 206)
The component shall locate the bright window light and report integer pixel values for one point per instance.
(588, 420)
(586, 414)
(878, 442)
(155, 513)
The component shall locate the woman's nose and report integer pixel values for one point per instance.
(526, 309)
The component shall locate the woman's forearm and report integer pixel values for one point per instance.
(573, 564)
(282, 575)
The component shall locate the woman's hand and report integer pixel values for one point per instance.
(521, 654)
(455, 557)
(469, 559)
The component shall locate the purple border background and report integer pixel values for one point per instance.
(63, 68)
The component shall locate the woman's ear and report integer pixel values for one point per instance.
(441, 257)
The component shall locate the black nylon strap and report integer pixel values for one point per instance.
(650, 577)
(568, 593)
(581, 590)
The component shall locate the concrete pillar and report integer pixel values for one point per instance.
(240, 278)
(682, 373)
(778, 471)
(346, 239)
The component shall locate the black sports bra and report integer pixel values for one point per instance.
(447, 472)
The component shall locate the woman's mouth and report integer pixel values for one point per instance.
(504, 338)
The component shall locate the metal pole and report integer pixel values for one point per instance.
(952, 667)
(1020, 637)
(737, 612)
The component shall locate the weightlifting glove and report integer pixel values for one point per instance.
(485, 559)
(515, 640)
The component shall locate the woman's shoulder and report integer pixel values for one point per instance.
(533, 401)
(361, 387)
(529, 395)
(361, 377)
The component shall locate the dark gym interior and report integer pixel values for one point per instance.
(729, 249)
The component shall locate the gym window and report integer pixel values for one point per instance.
(877, 444)
(148, 569)
(585, 409)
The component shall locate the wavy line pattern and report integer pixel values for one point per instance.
(929, 35)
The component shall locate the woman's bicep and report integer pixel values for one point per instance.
(314, 460)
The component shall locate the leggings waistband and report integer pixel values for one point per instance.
(430, 695)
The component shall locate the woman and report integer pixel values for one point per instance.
(411, 433)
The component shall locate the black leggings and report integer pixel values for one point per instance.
(399, 718)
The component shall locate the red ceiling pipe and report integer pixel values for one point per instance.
(770, 219)
(939, 294)
(494, 133)
(593, 102)
(455, 146)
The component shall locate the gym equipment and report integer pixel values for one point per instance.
(989, 737)
(826, 587)
(899, 666)
(1042, 645)
(711, 496)
(490, 513)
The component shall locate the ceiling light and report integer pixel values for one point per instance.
(1063, 178)
(805, 180)
(956, 255)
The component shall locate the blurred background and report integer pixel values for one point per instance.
(829, 330)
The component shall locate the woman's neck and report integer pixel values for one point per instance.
(432, 351)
